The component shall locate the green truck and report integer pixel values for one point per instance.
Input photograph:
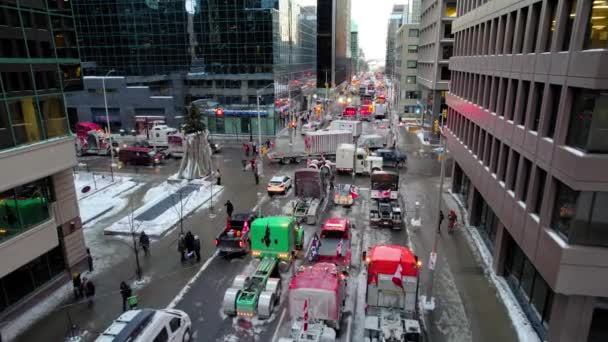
(274, 239)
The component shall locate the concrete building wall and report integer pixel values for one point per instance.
(406, 85)
(524, 126)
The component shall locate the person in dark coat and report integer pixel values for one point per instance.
(181, 247)
(125, 292)
(90, 260)
(89, 290)
(144, 241)
(197, 248)
(219, 177)
(229, 208)
(246, 147)
(189, 242)
(441, 217)
(77, 283)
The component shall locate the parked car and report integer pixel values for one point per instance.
(149, 325)
(140, 156)
(279, 185)
(391, 158)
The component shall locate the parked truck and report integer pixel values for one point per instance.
(346, 159)
(316, 144)
(91, 139)
(235, 238)
(311, 192)
(316, 300)
(385, 204)
(274, 240)
(392, 295)
(333, 244)
(356, 127)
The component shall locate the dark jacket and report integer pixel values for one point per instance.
(89, 288)
(144, 240)
(125, 290)
(189, 241)
(229, 207)
(197, 244)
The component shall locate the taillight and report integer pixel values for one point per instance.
(241, 244)
(216, 242)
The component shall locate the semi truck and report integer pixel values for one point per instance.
(356, 127)
(91, 139)
(274, 240)
(316, 144)
(311, 190)
(385, 203)
(346, 159)
(316, 300)
(392, 295)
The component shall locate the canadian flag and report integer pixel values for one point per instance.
(306, 315)
(353, 192)
(339, 248)
(386, 193)
(397, 276)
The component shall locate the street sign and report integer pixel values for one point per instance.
(433, 260)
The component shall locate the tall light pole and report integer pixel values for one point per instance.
(105, 101)
(259, 161)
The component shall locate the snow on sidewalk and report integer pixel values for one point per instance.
(96, 182)
(101, 203)
(164, 221)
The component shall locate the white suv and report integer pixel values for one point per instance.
(149, 325)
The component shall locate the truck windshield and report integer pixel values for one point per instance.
(332, 234)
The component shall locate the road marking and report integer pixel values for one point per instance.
(186, 288)
(276, 331)
(349, 325)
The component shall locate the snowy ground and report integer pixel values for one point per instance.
(97, 183)
(112, 199)
(164, 221)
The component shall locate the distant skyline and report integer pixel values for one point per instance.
(372, 19)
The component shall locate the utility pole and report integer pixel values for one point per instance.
(430, 300)
(354, 159)
(105, 101)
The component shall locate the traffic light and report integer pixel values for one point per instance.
(219, 111)
(436, 126)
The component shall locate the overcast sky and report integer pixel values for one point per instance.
(372, 18)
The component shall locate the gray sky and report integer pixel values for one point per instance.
(372, 18)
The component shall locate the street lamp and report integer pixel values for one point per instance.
(259, 161)
(105, 101)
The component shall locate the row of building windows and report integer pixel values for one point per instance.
(24, 207)
(536, 106)
(538, 28)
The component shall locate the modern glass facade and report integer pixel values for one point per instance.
(133, 37)
(39, 62)
(325, 42)
(245, 46)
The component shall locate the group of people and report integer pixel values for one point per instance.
(252, 147)
(189, 245)
(83, 288)
(452, 218)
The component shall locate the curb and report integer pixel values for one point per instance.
(97, 215)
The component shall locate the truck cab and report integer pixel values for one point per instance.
(364, 163)
(334, 244)
(160, 135)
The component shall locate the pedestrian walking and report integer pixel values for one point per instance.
(90, 260)
(219, 177)
(197, 248)
(181, 247)
(452, 218)
(254, 149)
(89, 291)
(257, 177)
(189, 239)
(125, 292)
(268, 144)
(246, 148)
(229, 208)
(77, 284)
(441, 217)
(144, 242)
(252, 163)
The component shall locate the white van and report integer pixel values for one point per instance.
(364, 164)
(146, 325)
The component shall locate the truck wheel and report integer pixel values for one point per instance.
(266, 303)
(187, 336)
(229, 303)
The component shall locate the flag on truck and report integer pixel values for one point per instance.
(339, 248)
(306, 315)
(397, 277)
(353, 192)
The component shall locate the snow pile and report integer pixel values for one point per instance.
(96, 205)
(522, 325)
(96, 182)
(164, 221)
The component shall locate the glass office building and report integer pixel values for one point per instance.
(246, 47)
(133, 37)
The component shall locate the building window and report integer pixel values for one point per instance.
(413, 33)
(514, 170)
(523, 106)
(447, 31)
(596, 35)
(564, 208)
(588, 129)
(539, 89)
(550, 25)
(531, 290)
(450, 10)
(569, 25)
(487, 222)
(25, 121)
(494, 155)
(24, 207)
(412, 94)
(502, 168)
(524, 180)
(445, 73)
(245, 125)
(53, 116)
(412, 48)
(410, 79)
(539, 190)
(447, 51)
(551, 113)
(411, 64)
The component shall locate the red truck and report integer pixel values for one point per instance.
(334, 244)
(91, 139)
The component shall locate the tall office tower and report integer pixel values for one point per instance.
(435, 49)
(333, 43)
(407, 91)
(354, 47)
(41, 237)
(397, 18)
(414, 11)
(527, 129)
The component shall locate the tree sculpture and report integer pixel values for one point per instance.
(196, 162)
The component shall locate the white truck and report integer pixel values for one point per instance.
(380, 110)
(372, 141)
(316, 144)
(346, 159)
(160, 135)
(356, 127)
